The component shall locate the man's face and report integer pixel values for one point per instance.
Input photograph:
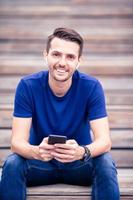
(63, 57)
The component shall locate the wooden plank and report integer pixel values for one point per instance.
(99, 33)
(63, 191)
(58, 197)
(118, 10)
(105, 22)
(5, 138)
(70, 197)
(119, 97)
(120, 83)
(91, 64)
(120, 138)
(121, 117)
(24, 28)
(65, 2)
(122, 157)
(90, 47)
(112, 98)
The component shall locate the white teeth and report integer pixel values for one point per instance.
(60, 70)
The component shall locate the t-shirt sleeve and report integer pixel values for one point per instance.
(96, 103)
(22, 102)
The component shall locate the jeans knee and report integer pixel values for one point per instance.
(104, 164)
(13, 164)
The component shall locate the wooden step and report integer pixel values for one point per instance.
(123, 157)
(119, 117)
(94, 65)
(121, 83)
(91, 47)
(72, 9)
(24, 30)
(121, 138)
(66, 192)
(113, 97)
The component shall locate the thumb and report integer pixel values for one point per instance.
(71, 142)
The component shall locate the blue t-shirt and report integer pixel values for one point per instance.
(68, 115)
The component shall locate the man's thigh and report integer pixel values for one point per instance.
(78, 173)
(41, 173)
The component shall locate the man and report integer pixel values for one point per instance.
(60, 101)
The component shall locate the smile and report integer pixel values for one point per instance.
(60, 70)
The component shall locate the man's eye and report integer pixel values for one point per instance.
(71, 57)
(56, 54)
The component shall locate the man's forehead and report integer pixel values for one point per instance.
(61, 45)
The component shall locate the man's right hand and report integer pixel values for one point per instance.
(45, 150)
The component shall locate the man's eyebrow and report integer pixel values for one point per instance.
(55, 51)
(71, 54)
(67, 54)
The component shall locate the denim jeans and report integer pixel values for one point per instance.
(100, 172)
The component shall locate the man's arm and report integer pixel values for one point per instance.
(20, 136)
(20, 144)
(71, 151)
(102, 141)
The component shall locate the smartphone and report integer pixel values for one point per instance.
(53, 139)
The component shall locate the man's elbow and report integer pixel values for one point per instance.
(108, 145)
(14, 145)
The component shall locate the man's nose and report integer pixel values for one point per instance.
(62, 61)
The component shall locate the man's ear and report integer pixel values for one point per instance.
(78, 63)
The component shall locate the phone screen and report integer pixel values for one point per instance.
(53, 139)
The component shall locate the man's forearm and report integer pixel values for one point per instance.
(99, 146)
(26, 150)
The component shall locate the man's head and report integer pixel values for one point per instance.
(63, 53)
(68, 35)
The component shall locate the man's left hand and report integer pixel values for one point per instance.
(68, 152)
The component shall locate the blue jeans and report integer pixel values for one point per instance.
(100, 172)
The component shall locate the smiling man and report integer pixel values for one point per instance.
(65, 102)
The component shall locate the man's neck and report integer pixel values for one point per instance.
(59, 88)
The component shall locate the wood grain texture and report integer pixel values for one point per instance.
(123, 83)
(120, 138)
(94, 65)
(119, 117)
(122, 157)
(113, 97)
(65, 192)
(67, 9)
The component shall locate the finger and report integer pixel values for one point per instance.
(63, 160)
(43, 151)
(71, 142)
(47, 159)
(46, 146)
(46, 156)
(64, 146)
(65, 151)
(62, 156)
(45, 140)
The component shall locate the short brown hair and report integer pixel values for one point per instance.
(68, 35)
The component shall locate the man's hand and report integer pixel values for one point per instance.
(68, 152)
(45, 150)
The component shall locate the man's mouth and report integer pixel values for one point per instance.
(61, 71)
